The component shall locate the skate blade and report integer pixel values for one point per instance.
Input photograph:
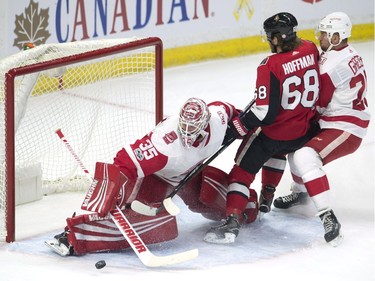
(337, 241)
(261, 215)
(212, 238)
(61, 250)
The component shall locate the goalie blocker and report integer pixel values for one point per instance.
(96, 232)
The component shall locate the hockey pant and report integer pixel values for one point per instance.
(207, 194)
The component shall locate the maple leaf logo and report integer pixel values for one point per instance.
(31, 26)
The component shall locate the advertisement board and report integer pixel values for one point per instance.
(179, 23)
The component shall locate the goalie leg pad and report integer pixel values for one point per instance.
(214, 188)
(105, 190)
(91, 233)
(205, 193)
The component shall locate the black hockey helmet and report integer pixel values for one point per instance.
(283, 23)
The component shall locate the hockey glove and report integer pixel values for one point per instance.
(236, 130)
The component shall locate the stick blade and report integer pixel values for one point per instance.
(147, 210)
(143, 209)
(171, 207)
(159, 261)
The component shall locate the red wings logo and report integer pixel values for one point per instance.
(170, 137)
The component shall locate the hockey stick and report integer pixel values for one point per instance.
(131, 236)
(167, 203)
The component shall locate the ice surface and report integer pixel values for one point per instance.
(285, 245)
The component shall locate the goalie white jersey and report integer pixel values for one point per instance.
(180, 160)
(343, 103)
(161, 152)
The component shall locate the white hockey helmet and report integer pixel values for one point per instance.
(337, 22)
(193, 120)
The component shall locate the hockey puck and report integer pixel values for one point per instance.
(100, 264)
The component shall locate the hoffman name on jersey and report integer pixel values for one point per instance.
(298, 64)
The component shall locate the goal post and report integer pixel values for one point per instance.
(101, 93)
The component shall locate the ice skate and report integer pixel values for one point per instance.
(266, 198)
(293, 199)
(332, 228)
(60, 244)
(224, 233)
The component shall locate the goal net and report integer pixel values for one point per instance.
(101, 94)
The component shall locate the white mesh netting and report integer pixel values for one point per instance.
(99, 104)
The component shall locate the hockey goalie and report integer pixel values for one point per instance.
(147, 171)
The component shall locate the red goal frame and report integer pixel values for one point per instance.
(41, 66)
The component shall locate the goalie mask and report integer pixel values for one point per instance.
(193, 120)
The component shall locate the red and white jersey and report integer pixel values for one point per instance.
(342, 102)
(161, 152)
(287, 88)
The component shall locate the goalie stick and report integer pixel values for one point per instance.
(127, 230)
(167, 203)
